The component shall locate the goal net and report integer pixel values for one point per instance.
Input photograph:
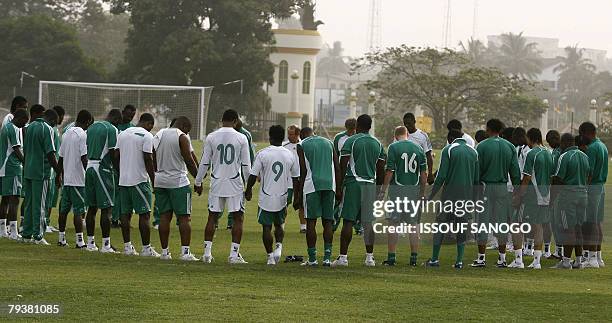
(162, 101)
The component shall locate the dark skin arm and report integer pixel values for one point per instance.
(343, 164)
(150, 166)
(84, 161)
(518, 195)
(116, 157)
(56, 168)
(248, 194)
(19, 154)
(188, 155)
(297, 189)
(380, 172)
(430, 177)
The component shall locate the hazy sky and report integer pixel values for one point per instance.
(420, 22)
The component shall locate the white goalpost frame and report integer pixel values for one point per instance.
(202, 89)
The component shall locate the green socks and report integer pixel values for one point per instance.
(391, 258)
(413, 258)
(460, 252)
(328, 251)
(312, 254)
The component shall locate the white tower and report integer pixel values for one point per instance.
(447, 35)
(374, 35)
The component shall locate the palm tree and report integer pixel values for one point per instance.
(519, 58)
(574, 61)
(476, 51)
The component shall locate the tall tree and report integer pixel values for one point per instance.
(443, 82)
(476, 51)
(203, 42)
(517, 57)
(577, 79)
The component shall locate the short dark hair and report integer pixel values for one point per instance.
(51, 115)
(453, 134)
(181, 122)
(277, 133)
(587, 128)
(409, 116)
(350, 124)
(568, 139)
(21, 113)
(552, 135)
(129, 107)
(519, 132)
(84, 117)
(507, 133)
(306, 132)
(535, 135)
(454, 124)
(60, 111)
(146, 117)
(229, 115)
(480, 135)
(115, 115)
(364, 122)
(37, 109)
(580, 140)
(17, 101)
(495, 125)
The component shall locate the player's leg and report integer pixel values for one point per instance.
(11, 190)
(484, 218)
(116, 215)
(547, 239)
(303, 223)
(3, 216)
(64, 208)
(349, 210)
(180, 200)
(165, 219)
(268, 240)
(39, 205)
(328, 199)
(52, 190)
(437, 240)
(235, 206)
(366, 214)
(313, 210)
(600, 219)
(13, 205)
(392, 238)
(209, 231)
(517, 238)
(279, 234)
(142, 199)
(26, 208)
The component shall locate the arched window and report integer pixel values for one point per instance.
(306, 79)
(283, 77)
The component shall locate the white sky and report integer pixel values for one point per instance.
(420, 22)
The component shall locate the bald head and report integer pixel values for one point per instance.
(567, 140)
(183, 124)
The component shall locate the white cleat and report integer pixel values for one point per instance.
(149, 252)
(340, 262)
(207, 259)
(41, 242)
(370, 262)
(516, 264)
(92, 248)
(238, 260)
(277, 255)
(547, 255)
(130, 251)
(528, 252)
(156, 227)
(509, 247)
(310, 263)
(533, 265)
(591, 262)
(4, 234)
(189, 257)
(601, 263)
(166, 257)
(271, 261)
(108, 249)
(15, 237)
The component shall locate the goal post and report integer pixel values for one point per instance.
(164, 102)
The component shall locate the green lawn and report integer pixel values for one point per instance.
(93, 286)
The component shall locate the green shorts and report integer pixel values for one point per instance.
(571, 209)
(595, 206)
(99, 187)
(319, 204)
(55, 194)
(136, 198)
(534, 213)
(497, 207)
(73, 198)
(269, 218)
(289, 196)
(358, 202)
(173, 200)
(11, 185)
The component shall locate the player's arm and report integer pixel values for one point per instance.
(430, 161)
(248, 194)
(150, 166)
(336, 166)
(440, 179)
(298, 185)
(203, 168)
(18, 154)
(187, 155)
(245, 158)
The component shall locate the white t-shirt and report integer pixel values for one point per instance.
(74, 145)
(159, 135)
(293, 149)
(7, 118)
(275, 166)
(226, 152)
(469, 140)
(171, 168)
(132, 143)
(421, 138)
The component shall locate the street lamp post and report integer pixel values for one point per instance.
(593, 111)
(544, 120)
(353, 105)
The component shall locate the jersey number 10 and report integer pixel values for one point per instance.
(227, 154)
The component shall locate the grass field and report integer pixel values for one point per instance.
(97, 287)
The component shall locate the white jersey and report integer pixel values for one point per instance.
(293, 149)
(275, 166)
(132, 143)
(226, 152)
(74, 145)
(521, 152)
(421, 138)
(469, 140)
(7, 118)
(171, 168)
(159, 135)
